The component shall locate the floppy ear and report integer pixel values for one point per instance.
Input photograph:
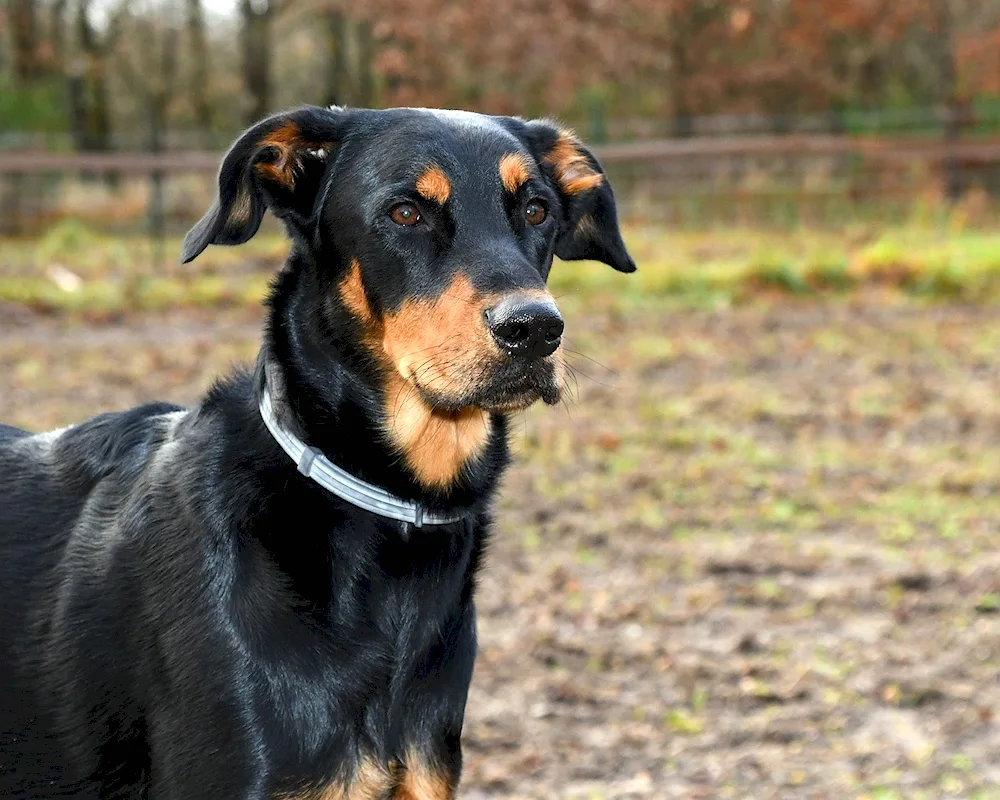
(279, 164)
(590, 227)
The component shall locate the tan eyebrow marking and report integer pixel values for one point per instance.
(514, 171)
(434, 185)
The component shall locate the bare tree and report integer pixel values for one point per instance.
(149, 67)
(57, 34)
(25, 40)
(90, 99)
(335, 41)
(203, 111)
(256, 31)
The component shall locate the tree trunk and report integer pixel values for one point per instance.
(76, 89)
(256, 41)
(57, 27)
(945, 52)
(366, 65)
(90, 104)
(203, 111)
(24, 39)
(683, 124)
(335, 93)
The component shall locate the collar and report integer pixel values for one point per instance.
(313, 464)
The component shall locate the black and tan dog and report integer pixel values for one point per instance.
(270, 595)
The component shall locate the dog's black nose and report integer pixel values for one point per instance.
(528, 327)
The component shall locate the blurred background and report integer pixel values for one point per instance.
(755, 553)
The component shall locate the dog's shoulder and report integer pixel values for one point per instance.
(81, 455)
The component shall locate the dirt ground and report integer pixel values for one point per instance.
(755, 556)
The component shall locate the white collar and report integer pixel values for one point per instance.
(313, 464)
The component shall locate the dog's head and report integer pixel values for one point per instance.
(434, 232)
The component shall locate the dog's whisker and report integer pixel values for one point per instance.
(570, 351)
(575, 369)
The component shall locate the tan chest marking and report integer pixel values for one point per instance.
(437, 344)
(421, 781)
(435, 444)
(371, 781)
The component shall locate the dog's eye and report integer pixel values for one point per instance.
(536, 212)
(405, 214)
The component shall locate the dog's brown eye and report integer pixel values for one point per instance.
(405, 214)
(535, 212)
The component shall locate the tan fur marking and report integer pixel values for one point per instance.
(288, 142)
(437, 346)
(286, 139)
(352, 293)
(434, 185)
(422, 782)
(515, 169)
(559, 365)
(572, 170)
(435, 341)
(435, 444)
(371, 781)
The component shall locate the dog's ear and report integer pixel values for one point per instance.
(279, 164)
(590, 225)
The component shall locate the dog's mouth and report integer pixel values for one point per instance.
(504, 388)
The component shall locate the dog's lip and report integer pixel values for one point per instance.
(514, 399)
(504, 393)
(519, 396)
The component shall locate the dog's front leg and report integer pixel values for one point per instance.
(213, 754)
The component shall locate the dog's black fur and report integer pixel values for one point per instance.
(184, 614)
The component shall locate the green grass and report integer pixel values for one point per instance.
(736, 265)
(691, 269)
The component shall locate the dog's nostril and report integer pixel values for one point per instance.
(554, 332)
(516, 333)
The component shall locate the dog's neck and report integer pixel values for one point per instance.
(322, 398)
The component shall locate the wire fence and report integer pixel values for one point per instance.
(776, 181)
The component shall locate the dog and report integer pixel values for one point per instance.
(270, 594)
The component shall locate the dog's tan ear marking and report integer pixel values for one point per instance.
(589, 226)
(279, 164)
(571, 166)
(288, 148)
(434, 185)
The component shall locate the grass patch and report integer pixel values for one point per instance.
(74, 269)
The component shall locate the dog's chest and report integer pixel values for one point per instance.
(376, 710)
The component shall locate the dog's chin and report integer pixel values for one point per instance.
(509, 402)
(497, 397)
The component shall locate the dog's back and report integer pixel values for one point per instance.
(46, 483)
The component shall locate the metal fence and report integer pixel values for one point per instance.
(762, 180)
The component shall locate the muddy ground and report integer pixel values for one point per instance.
(754, 556)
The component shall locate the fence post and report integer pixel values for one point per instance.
(11, 193)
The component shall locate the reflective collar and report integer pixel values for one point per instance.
(313, 464)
